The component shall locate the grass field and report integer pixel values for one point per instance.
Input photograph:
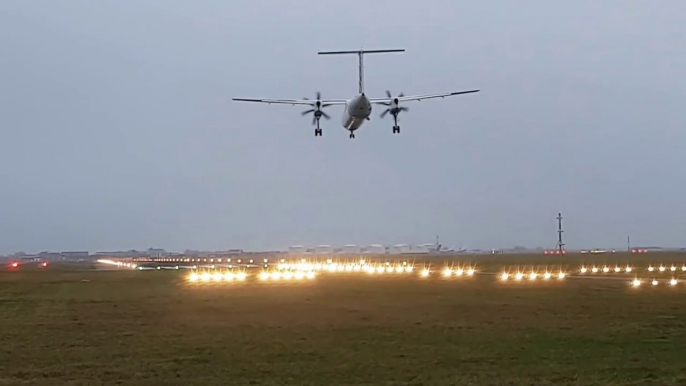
(154, 328)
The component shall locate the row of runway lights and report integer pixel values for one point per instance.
(629, 269)
(119, 264)
(362, 265)
(637, 282)
(520, 276)
(242, 276)
(300, 276)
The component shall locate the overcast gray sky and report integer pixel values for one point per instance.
(118, 130)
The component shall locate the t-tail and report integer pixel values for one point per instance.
(360, 53)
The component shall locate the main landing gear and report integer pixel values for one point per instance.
(396, 129)
(317, 132)
(352, 135)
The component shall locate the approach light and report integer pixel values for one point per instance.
(662, 268)
(584, 269)
(504, 276)
(519, 276)
(470, 272)
(447, 272)
(636, 283)
(547, 275)
(654, 282)
(672, 282)
(594, 269)
(193, 277)
(425, 272)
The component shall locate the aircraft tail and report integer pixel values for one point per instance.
(360, 53)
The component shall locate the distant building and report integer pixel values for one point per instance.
(324, 250)
(297, 249)
(157, 252)
(75, 255)
(51, 256)
(376, 249)
(351, 249)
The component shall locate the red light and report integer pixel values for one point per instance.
(633, 251)
(15, 264)
(44, 264)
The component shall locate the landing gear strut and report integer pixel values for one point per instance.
(317, 131)
(396, 128)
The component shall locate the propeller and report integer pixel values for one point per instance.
(393, 107)
(316, 109)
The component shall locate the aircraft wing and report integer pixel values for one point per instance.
(418, 97)
(307, 102)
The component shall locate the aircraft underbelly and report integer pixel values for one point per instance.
(353, 122)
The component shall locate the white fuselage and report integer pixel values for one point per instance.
(357, 110)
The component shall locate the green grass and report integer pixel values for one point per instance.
(152, 327)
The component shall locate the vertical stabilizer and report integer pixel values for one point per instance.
(360, 54)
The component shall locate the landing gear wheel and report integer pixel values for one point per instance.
(396, 129)
(317, 132)
(352, 136)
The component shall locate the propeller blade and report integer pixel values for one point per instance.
(325, 115)
(388, 93)
(385, 103)
(326, 105)
(385, 112)
(319, 95)
(307, 111)
(403, 108)
(314, 120)
(402, 94)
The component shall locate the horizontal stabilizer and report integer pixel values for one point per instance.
(359, 52)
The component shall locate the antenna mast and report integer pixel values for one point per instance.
(560, 245)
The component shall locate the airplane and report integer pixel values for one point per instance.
(357, 109)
